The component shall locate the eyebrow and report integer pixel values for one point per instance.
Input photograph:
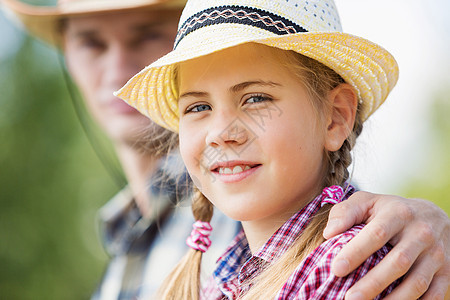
(243, 85)
(135, 29)
(235, 88)
(193, 94)
(88, 33)
(151, 25)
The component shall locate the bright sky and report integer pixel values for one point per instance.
(417, 32)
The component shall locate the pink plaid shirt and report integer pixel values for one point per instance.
(312, 279)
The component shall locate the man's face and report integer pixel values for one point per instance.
(104, 51)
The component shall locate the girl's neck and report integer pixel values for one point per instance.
(258, 232)
(138, 166)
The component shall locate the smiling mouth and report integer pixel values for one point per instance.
(234, 170)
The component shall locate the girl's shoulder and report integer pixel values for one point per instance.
(313, 277)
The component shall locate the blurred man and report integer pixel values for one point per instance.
(105, 42)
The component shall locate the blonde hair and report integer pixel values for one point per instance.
(318, 80)
(184, 281)
(155, 140)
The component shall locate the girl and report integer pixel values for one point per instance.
(268, 98)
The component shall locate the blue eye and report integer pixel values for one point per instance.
(257, 99)
(198, 108)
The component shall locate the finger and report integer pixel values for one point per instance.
(394, 265)
(371, 238)
(348, 213)
(418, 279)
(415, 283)
(439, 288)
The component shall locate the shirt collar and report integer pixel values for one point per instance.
(121, 222)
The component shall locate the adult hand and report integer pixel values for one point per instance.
(419, 232)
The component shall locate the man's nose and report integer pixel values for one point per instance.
(119, 65)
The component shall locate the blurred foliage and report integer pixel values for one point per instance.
(433, 182)
(51, 184)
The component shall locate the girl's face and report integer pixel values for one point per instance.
(249, 136)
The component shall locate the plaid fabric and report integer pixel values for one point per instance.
(144, 251)
(312, 279)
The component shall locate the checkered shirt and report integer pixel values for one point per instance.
(312, 279)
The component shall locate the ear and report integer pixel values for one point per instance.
(344, 104)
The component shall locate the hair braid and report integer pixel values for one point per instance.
(202, 209)
(184, 281)
(340, 160)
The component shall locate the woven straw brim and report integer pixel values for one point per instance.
(44, 22)
(369, 68)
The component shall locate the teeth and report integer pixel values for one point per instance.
(227, 171)
(237, 169)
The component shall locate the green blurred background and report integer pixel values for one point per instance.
(52, 182)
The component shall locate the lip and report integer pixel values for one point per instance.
(232, 178)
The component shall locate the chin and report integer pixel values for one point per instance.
(238, 213)
(239, 207)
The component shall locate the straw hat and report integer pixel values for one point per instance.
(44, 21)
(311, 28)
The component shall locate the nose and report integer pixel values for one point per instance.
(227, 129)
(119, 65)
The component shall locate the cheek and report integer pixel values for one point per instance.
(85, 76)
(190, 148)
(87, 79)
(294, 140)
(185, 150)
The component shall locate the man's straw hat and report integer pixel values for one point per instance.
(44, 21)
(311, 28)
